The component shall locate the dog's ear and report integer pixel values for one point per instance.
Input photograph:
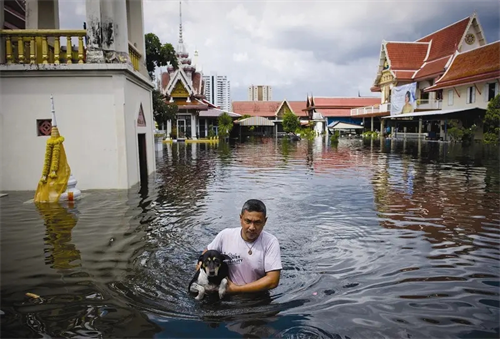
(200, 258)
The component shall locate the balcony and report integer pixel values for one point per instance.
(50, 46)
(380, 108)
(424, 104)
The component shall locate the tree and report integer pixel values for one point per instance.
(492, 121)
(158, 54)
(225, 123)
(162, 111)
(290, 122)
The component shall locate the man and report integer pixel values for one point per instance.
(255, 254)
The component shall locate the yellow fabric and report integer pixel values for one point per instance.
(59, 223)
(54, 183)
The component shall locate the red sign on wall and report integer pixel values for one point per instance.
(141, 120)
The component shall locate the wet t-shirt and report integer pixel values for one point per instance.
(243, 267)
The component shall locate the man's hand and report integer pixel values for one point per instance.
(269, 281)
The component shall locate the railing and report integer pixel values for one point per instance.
(135, 56)
(371, 109)
(43, 46)
(429, 104)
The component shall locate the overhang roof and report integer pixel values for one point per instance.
(434, 113)
(255, 121)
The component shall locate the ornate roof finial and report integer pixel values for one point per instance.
(180, 22)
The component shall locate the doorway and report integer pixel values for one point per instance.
(143, 158)
(181, 128)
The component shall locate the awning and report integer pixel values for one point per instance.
(215, 113)
(434, 113)
(343, 125)
(255, 121)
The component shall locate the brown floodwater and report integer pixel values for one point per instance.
(379, 239)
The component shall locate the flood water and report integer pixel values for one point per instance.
(386, 239)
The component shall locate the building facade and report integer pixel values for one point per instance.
(218, 91)
(260, 93)
(102, 94)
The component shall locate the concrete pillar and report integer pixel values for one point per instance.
(193, 127)
(42, 14)
(372, 124)
(94, 31)
(2, 40)
(419, 127)
(382, 127)
(169, 128)
(121, 26)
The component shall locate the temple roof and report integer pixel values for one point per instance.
(480, 64)
(426, 57)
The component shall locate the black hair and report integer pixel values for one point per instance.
(408, 94)
(254, 205)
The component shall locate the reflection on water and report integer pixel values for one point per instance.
(380, 239)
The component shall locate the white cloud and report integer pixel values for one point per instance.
(329, 48)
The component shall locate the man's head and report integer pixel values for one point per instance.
(253, 218)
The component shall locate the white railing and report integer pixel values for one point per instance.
(371, 109)
(429, 104)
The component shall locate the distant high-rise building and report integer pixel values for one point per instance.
(260, 93)
(218, 91)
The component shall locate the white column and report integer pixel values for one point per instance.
(169, 128)
(193, 126)
(94, 31)
(372, 124)
(42, 14)
(107, 25)
(120, 29)
(2, 40)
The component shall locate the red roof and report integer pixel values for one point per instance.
(406, 55)
(433, 68)
(479, 64)
(335, 112)
(344, 102)
(446, 40)
(265, 108)
(404, 75)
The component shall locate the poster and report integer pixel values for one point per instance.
(403, 99)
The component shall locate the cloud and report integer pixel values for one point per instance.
(329, 48)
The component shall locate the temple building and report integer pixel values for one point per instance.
(185, 87)
(101, 89)
(407, 69)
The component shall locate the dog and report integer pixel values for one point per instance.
(211, 276)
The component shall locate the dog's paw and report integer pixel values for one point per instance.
(199, 297)
(222, 294)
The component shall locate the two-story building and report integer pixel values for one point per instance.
(418, 63)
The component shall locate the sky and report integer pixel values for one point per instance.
(323, 48)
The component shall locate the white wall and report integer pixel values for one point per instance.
(95, 113)
(461, 102)
(134, 96)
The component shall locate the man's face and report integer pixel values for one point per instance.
(252, 224)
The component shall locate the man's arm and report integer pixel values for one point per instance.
(267, 282)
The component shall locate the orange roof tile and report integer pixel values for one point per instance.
(445, 41)
(432, 68)
(266, 108)
(482, 63)
(335, 112)
(406, 55)
(404, 75)
(344, 102)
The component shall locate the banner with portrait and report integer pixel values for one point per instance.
(403, 99)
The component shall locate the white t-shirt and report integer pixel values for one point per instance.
(243, 267)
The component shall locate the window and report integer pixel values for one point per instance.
(43, 127)
(450, 97)
(491, 91)
(471, 95)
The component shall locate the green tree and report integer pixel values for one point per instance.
(225, 123)
(162, 111)
(492, 121)
(290, 122)
(158, 54)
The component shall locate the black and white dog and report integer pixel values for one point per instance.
(211, 276)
